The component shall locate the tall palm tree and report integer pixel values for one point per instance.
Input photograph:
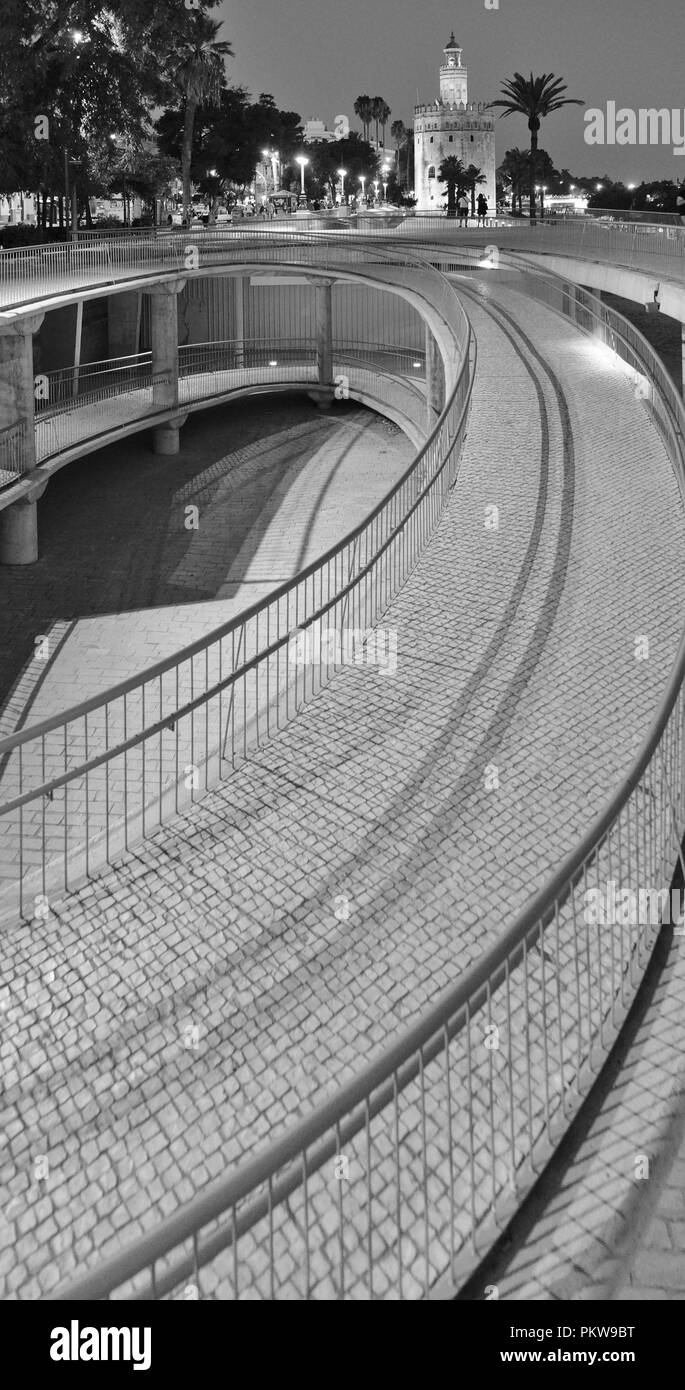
(363, 109)
(383, 111)
(534, 98)
(453, 173)
(200, 76)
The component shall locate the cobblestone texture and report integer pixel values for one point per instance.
(183, 1008)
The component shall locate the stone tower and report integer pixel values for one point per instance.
(452, 125)
(453, 76)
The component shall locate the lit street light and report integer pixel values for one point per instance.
(302, 160)
(342, 173)
(362, 180)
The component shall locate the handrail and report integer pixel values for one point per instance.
(122, 688)
(407, 1057)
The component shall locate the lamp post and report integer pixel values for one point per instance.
(342, 173)
(542, 200)
(362, 180)
(375, 189)
(302, 160)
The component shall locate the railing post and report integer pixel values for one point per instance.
(164, 346)
(19, 523)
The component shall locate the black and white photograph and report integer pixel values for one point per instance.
(342, 668)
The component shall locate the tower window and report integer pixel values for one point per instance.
(451, 139)
(431, 171)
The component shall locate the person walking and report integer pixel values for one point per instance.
(482, 207)
(463, 209)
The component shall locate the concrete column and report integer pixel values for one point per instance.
(166, 438)
(123, 323)
(324, 333)
(18, 523)
(239, 290)
(434, 383)
(164, 346)
(682, 348)
(19, 533)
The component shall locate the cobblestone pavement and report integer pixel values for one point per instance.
(183, 1008)
(608, 1223)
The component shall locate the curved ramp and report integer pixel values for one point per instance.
(186, 1006)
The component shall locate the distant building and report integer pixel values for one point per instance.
(316, 130)
(452, 125)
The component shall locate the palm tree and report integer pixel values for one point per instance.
(383, 112)
(453, 173)
(363, 108)
(200, 75)
(535, 98)
(398, 132)
(515, 169)
(472, 176)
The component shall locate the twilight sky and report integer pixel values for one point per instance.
(316, 56)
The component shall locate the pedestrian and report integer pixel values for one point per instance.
(680, 202)
(482, 206)
(270, 210)
(463, 209)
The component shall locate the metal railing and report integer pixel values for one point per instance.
(211, 702)
(14, 453)
(41, 272)
(398, 1183)
(82, 405)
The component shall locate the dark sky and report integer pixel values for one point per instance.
(316, 56)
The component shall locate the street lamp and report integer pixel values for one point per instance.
(343, 174)
(302, 160)
(385, 190)
(375, 188)
(362, 180)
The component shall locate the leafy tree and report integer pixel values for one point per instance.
(535, 98)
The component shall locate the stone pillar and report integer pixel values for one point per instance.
(123, 323)
(164, 346)
(18, 523)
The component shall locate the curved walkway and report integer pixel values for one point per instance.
(184, 1007)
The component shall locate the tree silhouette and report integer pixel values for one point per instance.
(534, 98)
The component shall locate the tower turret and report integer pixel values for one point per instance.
(453, 75)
